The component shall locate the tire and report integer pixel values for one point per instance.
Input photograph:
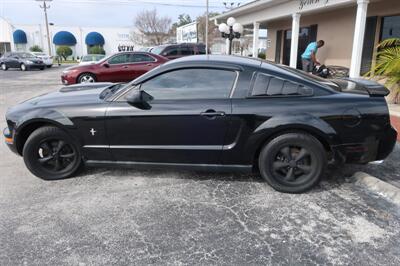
(42, 68)
(49, 66)
(50, 154)
(4, 66)
(292, 162)
(23, 67)
(86, 78)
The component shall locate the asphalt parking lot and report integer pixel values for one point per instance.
(121, 216)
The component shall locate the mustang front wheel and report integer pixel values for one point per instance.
(292, 162)
(49, 153)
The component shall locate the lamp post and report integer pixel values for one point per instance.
(230, 31)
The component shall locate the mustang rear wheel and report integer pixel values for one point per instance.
(49, 153)
(292, 162)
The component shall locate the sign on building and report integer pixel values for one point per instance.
(187, 33)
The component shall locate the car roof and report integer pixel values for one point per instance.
(236, 63)
(224, 59)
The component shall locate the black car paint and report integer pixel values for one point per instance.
(354, 127)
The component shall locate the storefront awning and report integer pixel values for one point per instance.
(94, 38)
(64, 38)
(19, 37)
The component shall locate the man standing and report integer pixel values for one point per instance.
(309, 58)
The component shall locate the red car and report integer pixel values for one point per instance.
(121, 67)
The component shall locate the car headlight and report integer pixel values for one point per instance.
(29, 62)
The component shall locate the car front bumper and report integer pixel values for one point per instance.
(35, 65)
(67, 79)
(9, 140)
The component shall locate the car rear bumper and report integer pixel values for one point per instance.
(371, 150)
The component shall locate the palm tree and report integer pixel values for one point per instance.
(388, 65)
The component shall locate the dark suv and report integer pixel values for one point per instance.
(172, 51)
(21, 60)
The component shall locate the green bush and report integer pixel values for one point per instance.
(64, 51)
(36, 48)
(96, 50)
(261, 55)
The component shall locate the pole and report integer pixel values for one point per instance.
(45, 7)
(207, 27)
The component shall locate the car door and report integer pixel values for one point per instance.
(115, 69)
(186, 122)
(13, 61)
(140, 64)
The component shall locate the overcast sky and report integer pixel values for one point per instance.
(102, 12)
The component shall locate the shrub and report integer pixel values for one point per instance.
(64, 51)
(36, 48)
(96, 50)
(261, 55)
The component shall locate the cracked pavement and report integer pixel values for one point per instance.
(128, 217)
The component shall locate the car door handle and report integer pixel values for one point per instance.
(124, 66)
(210, 113)
(149, 64)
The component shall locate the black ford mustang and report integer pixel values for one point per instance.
(213, 112)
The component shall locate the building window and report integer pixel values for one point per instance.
(390, 27)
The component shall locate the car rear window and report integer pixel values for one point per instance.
(266, 85)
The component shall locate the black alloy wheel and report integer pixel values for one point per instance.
(55, 155)
(292, 162)
(51, 154)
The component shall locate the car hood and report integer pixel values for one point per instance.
(81, 94)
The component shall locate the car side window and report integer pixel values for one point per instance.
(171, 51)
(119, 59)
(191, 84)
(135, 58)
(187, 51)
(266, 85)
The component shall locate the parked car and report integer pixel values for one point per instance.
(120, 67)
(21, 60)
(47, 59)
(90, 59)
(146, 49)
(207, 112)
(173, 51)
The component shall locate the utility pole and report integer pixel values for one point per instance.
(45, 7)
(207, 27)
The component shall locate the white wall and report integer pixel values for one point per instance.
(36, 35)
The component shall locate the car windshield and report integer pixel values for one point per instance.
(107, 92)
(39, 54)
(88, 58)
(157, 50)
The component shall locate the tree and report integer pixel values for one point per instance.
(152, 29)
(96, 50)
(183, 19)
(64, 51)
(212, 28)
(388, 65)
(35, 48)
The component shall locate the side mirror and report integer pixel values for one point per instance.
(106, 65)
(139, 99)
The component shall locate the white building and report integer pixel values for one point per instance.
(20, 37)
(351, 29)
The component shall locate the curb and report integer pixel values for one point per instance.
(378, 186)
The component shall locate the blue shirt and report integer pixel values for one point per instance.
(311, 48)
